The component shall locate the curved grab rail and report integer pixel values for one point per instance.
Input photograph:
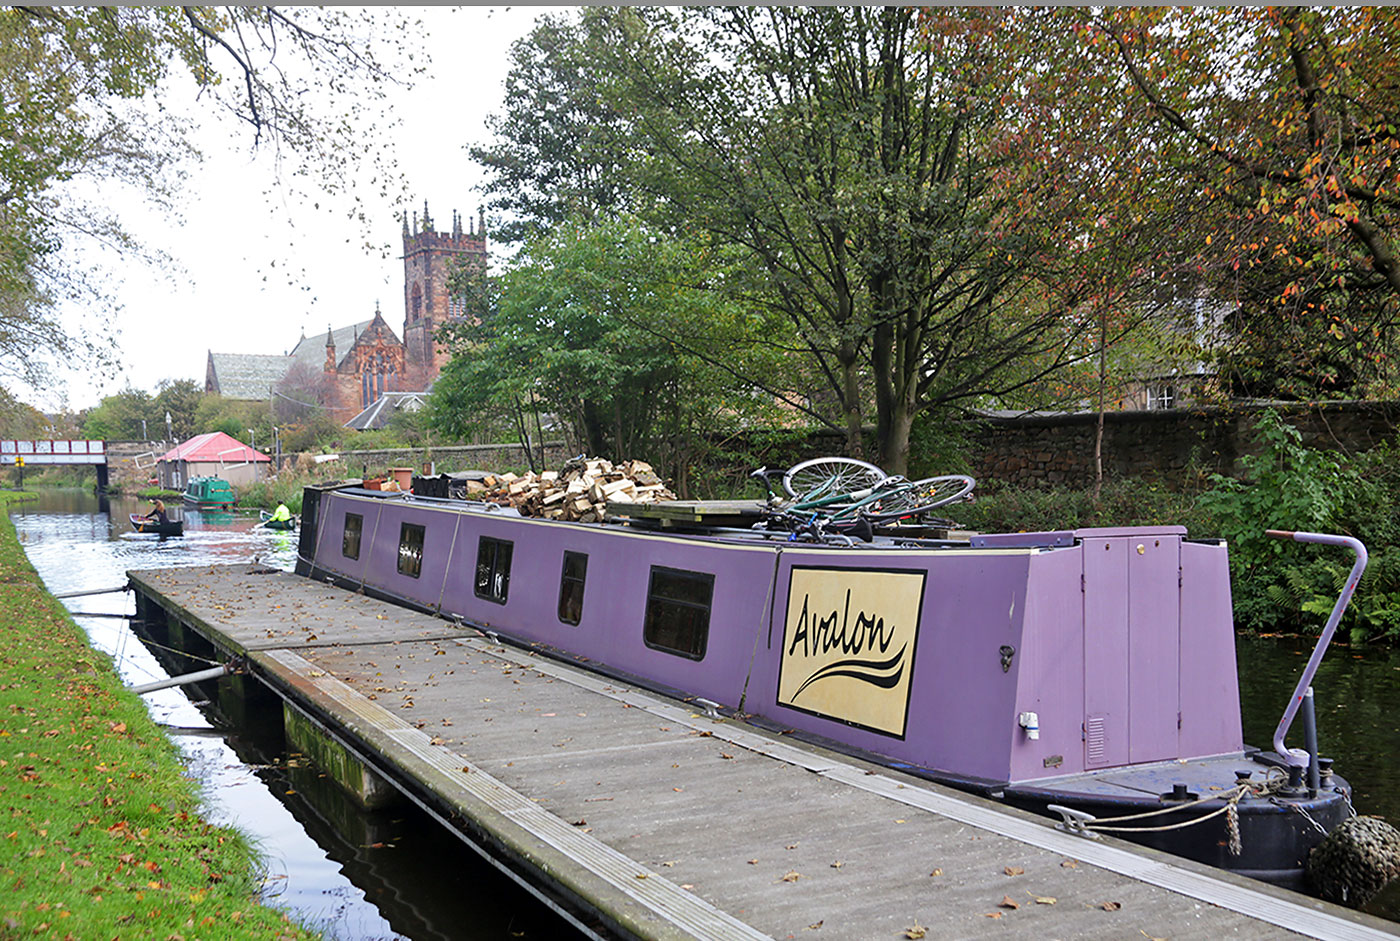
(1297, 757)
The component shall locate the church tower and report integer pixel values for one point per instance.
(429, 259)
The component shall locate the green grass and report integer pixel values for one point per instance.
(100, 832)
(154, 493)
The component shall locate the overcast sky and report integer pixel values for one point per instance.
(232, 295)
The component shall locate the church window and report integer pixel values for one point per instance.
(416, 304)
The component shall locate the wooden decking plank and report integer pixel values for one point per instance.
(583, 857)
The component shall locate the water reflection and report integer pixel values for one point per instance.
(355, 877)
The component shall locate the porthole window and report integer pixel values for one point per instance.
(678, 611)
(571, 587)
(493, 569)
(350, 540)
(411, 549)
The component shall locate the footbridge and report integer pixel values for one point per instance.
(43, 453)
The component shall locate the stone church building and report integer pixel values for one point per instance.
(348, 370)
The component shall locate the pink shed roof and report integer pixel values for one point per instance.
(213, 447)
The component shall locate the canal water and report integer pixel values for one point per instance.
(361, 877)
(354, 876)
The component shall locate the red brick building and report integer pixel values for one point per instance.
(347, 370)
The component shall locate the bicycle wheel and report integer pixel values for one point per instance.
(921, 496)
(828, 476)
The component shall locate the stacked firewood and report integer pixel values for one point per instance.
(579, 491)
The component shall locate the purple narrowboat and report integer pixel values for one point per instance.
(1086, 674)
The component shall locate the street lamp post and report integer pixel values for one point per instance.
(252, 439)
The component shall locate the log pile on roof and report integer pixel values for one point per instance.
(580, 491)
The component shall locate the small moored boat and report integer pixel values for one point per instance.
(141, 524)
(1087, 673)
(208, 493)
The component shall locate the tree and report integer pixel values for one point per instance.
(1285, 119)
(560, 146)
(610, 329)
(80, 99)
(854, 154)
(127, 416)
(178, 398)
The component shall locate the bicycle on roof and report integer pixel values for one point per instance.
(843, 499)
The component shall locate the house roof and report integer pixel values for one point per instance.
(385, 407)
(213, 447)
(246, 375)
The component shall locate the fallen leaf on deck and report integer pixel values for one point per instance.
(814, 926)
(1069, 864)
(916, 931)
(837, 865)
(1045, 900)
(992, 914)
(1014, 871)
(936, 872)
(1008, 902)
(1110, 906)
(792, 876)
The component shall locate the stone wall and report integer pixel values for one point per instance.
(131, 464)
(1166, 445)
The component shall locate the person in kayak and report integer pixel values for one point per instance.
(281, 514)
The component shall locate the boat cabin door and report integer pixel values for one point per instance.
(1132, 630)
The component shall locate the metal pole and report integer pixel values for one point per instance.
(209, 674)
(1293, 757)
(1310, 742)
(95, 591)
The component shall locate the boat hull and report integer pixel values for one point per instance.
(170, 528)
(1001, 666)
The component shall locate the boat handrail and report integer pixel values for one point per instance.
(1297, 757)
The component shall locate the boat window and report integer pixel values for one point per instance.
(571, 587)
(350, 542)
(678, 611)
(493, 569)
(410, 549)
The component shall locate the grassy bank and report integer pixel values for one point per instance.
(101, 829)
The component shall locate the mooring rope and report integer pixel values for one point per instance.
(1232, 798)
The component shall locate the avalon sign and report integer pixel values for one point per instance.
(848, 645)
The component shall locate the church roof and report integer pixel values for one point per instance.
(246, 375)
(312, 350)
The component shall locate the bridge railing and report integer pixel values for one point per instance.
(54, 451)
